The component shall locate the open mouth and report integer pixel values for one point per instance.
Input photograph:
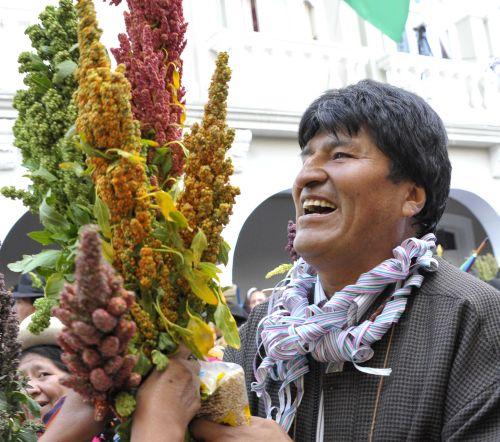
(318, 207)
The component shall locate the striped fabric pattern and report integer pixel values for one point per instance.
(293, 328)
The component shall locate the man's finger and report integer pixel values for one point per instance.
(203, 430)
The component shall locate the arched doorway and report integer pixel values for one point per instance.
(17, 243)
(460, 232)
(261, 242)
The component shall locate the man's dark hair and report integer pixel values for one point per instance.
(52, 352)
(402, 125)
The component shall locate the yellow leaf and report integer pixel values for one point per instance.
(198, 282)
(108, 251)
(166, 204)
(198, 246)
(202, 335)
(133, 157)
(176, 78)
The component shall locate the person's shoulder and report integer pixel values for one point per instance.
(452, 282)
(256, 315)
(460, 288)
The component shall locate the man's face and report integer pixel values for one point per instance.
(24, 308)
(345, 204)
(256, 298)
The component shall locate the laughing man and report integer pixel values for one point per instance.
(373, 338)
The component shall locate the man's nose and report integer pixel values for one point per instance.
(312, 173)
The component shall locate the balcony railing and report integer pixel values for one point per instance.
(461, 91)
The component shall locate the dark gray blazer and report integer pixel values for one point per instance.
(445, 381)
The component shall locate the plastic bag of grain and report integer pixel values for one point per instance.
(223, 393)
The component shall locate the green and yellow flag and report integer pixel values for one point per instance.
(387, 15)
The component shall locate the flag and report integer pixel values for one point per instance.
(469, 262)
(387, 15)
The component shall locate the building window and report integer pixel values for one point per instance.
(403, 45)
(311, 16)
(255, 15)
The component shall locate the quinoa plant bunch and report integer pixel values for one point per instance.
(151, 52)
(15, 425)
(46, 112)
(61, 192)
(208, 196)
(98, 330)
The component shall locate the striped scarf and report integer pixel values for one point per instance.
(293, 328)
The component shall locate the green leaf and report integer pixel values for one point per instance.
(198, 246)
(225, 322)
(35, 62)
(22, 398)
(36, 282)
(124, 404)
(54, 285)
(179, 219)
(51, 219)
(3, 399)
(149, 143)
(64, 70)
(166, 343)
(61, 236)
(171, 250)
(27, 435)
(101, 212)
(74, 167)
(209, 269)
(161, 234)
(41, 236)
(89, 150)
(80, 214)
(159, 359)
(41, 82)
(223, 255)
(166, 164)
(47, 258)
(199, 284)
(143, 365)
(45, 174)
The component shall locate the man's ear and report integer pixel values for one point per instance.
(415, 201)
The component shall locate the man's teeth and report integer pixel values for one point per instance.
(310, 204)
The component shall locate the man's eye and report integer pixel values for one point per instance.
(43, 375)
(338, 155)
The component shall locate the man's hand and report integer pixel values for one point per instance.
(168, 400)
(258, 430)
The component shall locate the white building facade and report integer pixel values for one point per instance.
(285, 53)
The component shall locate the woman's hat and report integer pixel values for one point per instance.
(46, 337)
